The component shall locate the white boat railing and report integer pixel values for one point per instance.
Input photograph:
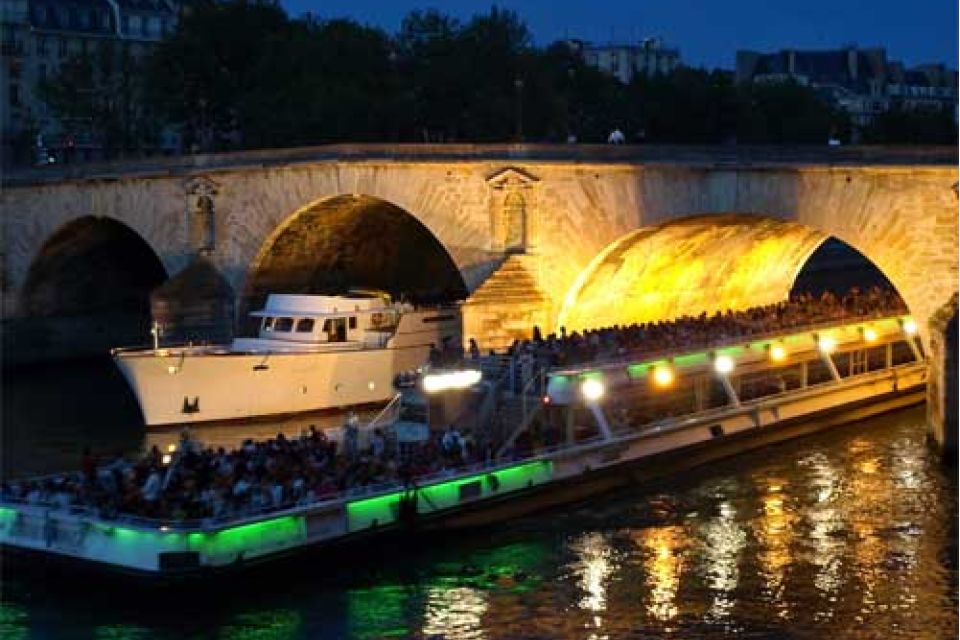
(632, 356)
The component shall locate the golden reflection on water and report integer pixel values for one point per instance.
(663, 564)
(594, 565)
(725, 540)
(455, 613)
(774, 535)
(827, 528)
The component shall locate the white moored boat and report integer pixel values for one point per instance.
(313, 352)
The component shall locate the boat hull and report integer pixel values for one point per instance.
(187, 386)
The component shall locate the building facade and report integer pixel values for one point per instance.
(627, 60)
(863, 82)
(38, 36)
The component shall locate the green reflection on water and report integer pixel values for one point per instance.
(13, 621)
(122, 632)
(275, 624)
(451, 598)
(380, 612)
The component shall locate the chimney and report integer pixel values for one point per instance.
(852, 63)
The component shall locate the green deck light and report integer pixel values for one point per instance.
(384, 509)
(254, 536)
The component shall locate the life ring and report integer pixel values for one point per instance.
(377, 319)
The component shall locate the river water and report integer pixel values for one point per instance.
(846, 534)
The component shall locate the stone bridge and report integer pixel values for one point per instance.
(526, 234)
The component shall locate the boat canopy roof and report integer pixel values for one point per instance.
(284, 304)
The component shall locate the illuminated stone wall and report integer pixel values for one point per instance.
(698, 264)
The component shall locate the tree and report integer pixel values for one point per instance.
(100, 95)
(899, 126)
(787, 113)
(203, 74)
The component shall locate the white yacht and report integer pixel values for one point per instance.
(313, 352)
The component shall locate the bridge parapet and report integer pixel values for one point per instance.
(730, 156)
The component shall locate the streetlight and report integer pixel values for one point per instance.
(826, 343)
(778, 353)
(910, 327)
(592, 389)
(723, 364)
(663, 375)
(437, 382)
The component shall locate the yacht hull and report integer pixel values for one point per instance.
(180, 386)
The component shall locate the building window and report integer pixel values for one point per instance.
(42, 72)
(125, 24)
(14, 95)
(41, 46)
(145, 25)
(62, 47)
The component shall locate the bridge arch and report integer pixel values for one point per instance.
(693, 264)
(91, 265)
(86, 290)
(346, 241)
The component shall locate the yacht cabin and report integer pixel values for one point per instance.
(368, 318)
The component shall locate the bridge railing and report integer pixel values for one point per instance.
(579, 153)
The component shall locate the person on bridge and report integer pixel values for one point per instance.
(616, 137)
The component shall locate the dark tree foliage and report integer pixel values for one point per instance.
(102, 95)
(213, 67)
(908, 127)
(242, 74)
(787, 113)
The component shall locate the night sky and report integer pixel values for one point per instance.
(708, 32)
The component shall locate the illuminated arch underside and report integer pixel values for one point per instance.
(687, 267)
(354, 241)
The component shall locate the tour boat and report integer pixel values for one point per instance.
(835, 375)
(313, 352)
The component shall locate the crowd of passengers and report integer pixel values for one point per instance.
(199, 483)
(696, 332)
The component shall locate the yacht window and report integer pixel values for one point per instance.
(353, 322)
(268, 324)
(326, 326)
(283, 324)
(305, 325)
